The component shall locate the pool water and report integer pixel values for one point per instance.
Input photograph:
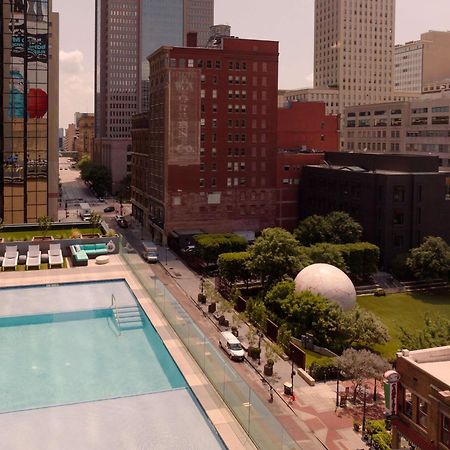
(73, 357)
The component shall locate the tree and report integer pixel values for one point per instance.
(95, 219)
(275, 254)
(257, 313)
(359, 365)
(310, 313)
(361, 258)
(278, 295)
(328, 254)
(436, 333)
(364, 329)
(312, 230)
(342, 228)
(45, 223)
(431, 259)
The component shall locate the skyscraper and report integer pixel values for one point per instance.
(353, 49)
(127, 31)
(29, 117)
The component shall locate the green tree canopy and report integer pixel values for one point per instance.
(436, 333)
(431, 259)
(364, 329)
(328, 254)
(275, 254)
(343, 229)
(312, 230)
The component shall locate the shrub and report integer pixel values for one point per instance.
(233, 266)
(75, 233)
(210, 246)
(254, 352)
(323, 369)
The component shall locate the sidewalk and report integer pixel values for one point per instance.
(314, 407)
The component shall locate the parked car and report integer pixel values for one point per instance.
(109, 209)
(101, 200)
(230, 343)
(122, 223)
(119, 218)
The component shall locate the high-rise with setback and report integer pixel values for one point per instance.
(127, 31)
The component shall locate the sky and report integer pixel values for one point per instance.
(291, 22)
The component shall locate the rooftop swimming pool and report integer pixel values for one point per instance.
(80, 361)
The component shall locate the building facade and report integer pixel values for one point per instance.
(330, 97)
(421, 63)
(126, 33)
(307, 126)
(416, 127)
(421, 416)
(29, 122)
(205, 154)
(84, 143)
(397, 199)
(353, 50)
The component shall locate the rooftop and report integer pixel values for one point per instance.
(435, 361)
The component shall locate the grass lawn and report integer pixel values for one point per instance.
(405, 310)
(57, 234)
(313, 356)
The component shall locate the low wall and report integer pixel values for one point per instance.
(306, 377)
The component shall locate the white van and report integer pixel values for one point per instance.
(230, 343)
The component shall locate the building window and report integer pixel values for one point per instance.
(202, 182)
(399, 194)
(399, 217)
(445, 430)
(407, 403)
(214, 93)
(422, 413)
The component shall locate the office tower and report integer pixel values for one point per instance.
(29, 122)
(353, 49)
(126, 33)
(204, 156)
(423, 63)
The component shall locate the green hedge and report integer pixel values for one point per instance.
(361, 258)
(323, 369)
(233, 266)
(210, 246)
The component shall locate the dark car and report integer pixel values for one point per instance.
(122, 223)
(109, 209)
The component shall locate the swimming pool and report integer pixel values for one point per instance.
(78, 361)
(55, 359)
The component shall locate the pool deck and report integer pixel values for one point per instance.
(229, 429)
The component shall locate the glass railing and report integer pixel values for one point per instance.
(252, 414)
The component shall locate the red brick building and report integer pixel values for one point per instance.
(306, 125)
(305, 131)
(421, 407)
(205, 156)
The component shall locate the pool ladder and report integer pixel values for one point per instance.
(127, 317)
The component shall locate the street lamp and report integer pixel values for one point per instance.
(364, 411)
(292, 378)
(337, 387)
(166, 255)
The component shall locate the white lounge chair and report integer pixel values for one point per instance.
(11, 257)
(33, 257)
(55, 256)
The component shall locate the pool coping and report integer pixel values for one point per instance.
(229, 430)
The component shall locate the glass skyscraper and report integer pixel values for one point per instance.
(127, 32)
(29, 119)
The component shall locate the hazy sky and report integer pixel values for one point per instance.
(288, 21)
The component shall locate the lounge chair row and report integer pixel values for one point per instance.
(11, 257)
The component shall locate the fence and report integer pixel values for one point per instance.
(253, 415)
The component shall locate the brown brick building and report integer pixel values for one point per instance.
(205, 155)
(423, 406)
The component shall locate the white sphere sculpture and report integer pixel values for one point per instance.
(329, 282)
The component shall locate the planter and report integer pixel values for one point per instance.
(201, 298)
(90, 236)
(42, 238)
(223, 322)
(268, 370)
(212, 308)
